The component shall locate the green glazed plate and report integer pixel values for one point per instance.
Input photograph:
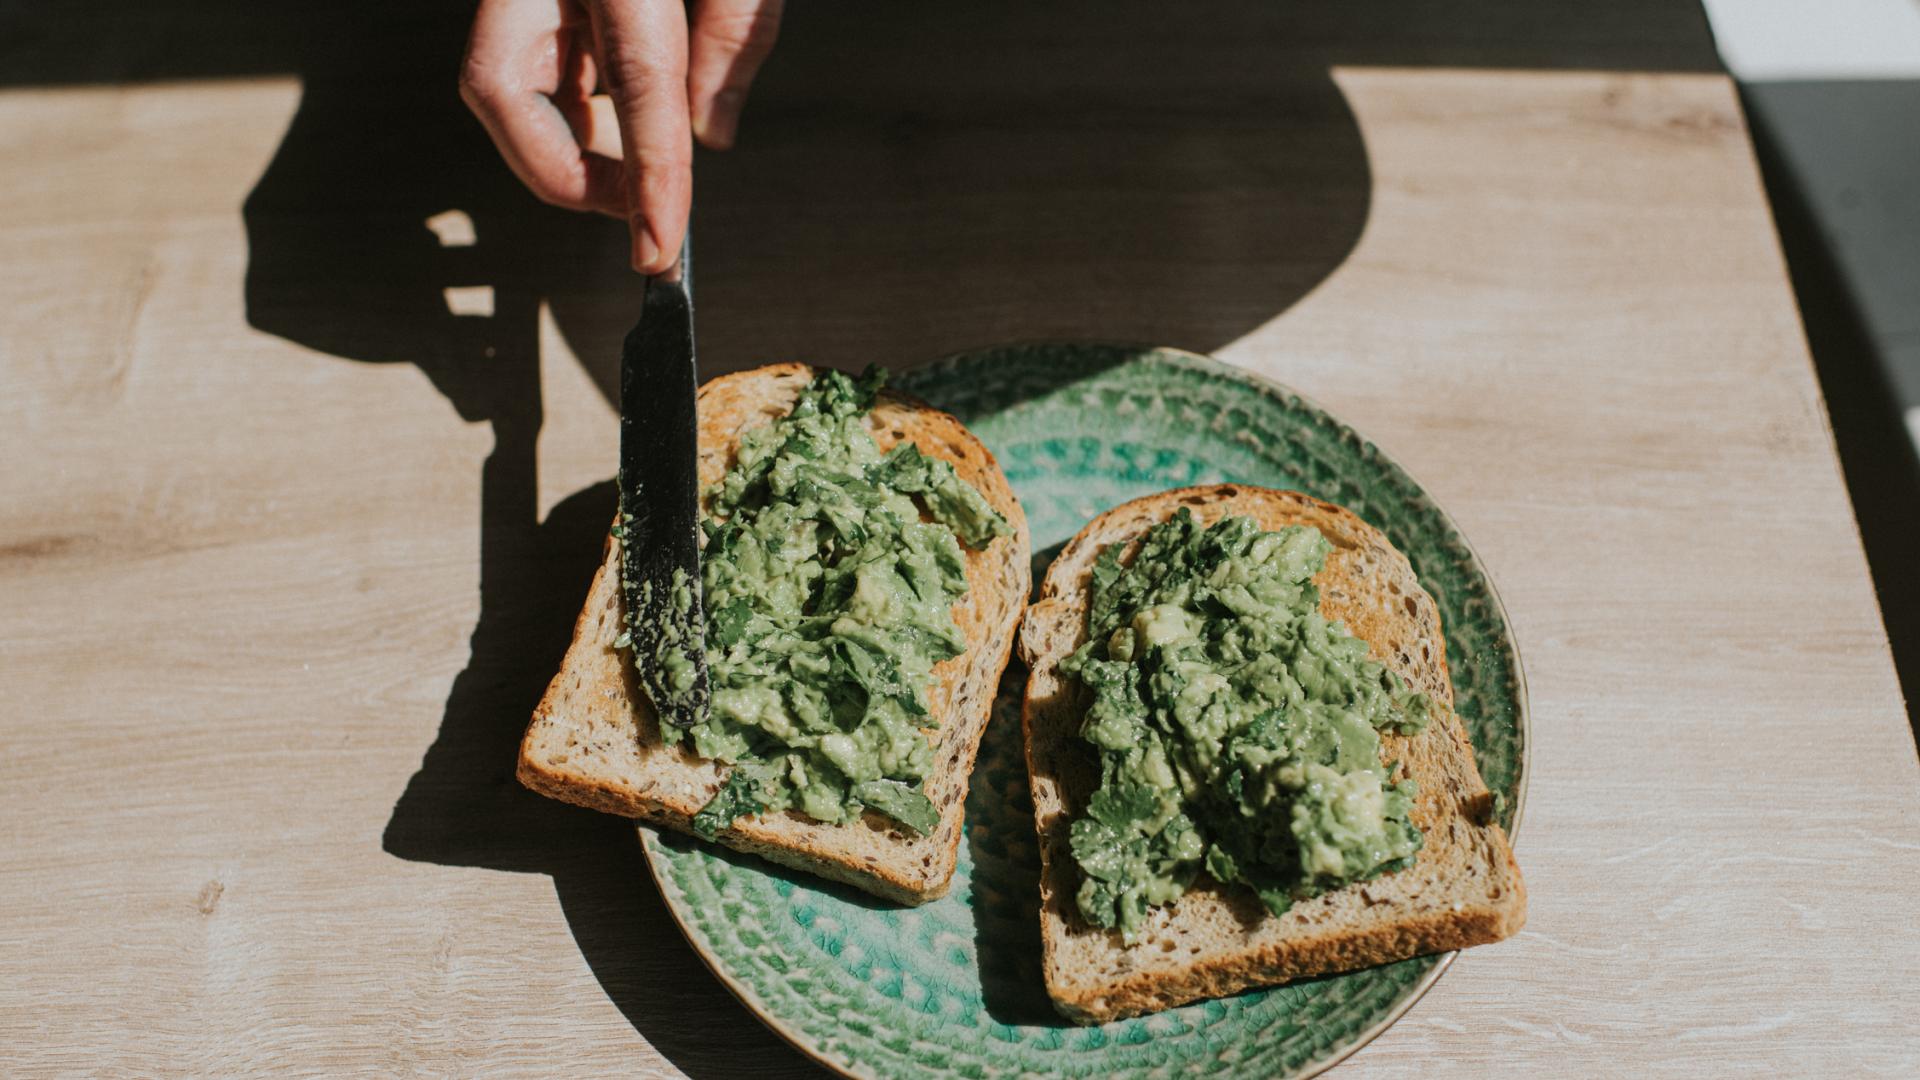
(953, 988)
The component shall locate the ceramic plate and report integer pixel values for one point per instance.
(953, 988)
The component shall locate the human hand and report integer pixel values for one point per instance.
(595, 103)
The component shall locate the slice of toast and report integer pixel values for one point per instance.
(1463, 889)
(594, 739)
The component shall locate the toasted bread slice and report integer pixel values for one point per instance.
(594, 739)
(1464, 888)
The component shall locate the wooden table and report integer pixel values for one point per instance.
(287, 548)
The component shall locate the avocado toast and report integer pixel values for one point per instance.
(1197, 937)
(595, 741)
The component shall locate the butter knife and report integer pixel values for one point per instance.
(659, 529)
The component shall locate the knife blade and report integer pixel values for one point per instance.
(660, 499)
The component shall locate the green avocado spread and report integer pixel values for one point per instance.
(1237, 729)
(829, 574)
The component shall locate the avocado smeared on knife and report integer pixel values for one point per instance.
(829, 575)
(1237, 729)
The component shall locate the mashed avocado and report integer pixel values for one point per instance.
(1237, 729)
(829, 599)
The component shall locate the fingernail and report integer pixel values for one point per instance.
(646, 250)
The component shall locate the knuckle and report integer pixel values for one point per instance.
(751, 32)
(659, 180)
(624, 75)
(479, 85)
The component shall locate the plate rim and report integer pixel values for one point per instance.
(649, 836)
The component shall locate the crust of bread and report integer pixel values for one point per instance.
(1463, 889)
(594, 739)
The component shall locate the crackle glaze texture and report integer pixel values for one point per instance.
(953, 988)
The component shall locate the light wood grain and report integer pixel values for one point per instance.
(255, 484)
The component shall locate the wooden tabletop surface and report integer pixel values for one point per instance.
(288, 546)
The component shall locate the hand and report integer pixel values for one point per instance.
(531, 74)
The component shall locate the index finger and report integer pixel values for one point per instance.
(643, 66)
